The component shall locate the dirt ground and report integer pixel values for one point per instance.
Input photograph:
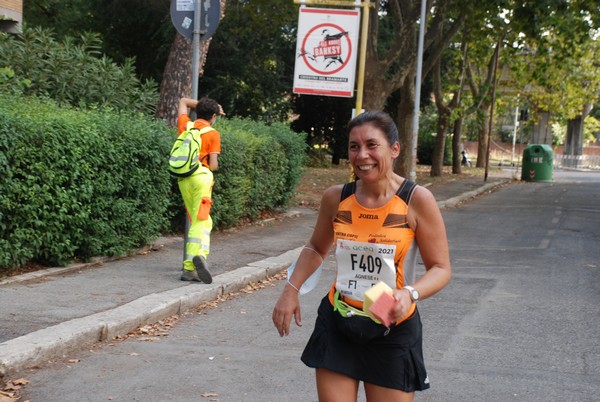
(316, 180)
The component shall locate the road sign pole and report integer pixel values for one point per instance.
(196, 48)
(194, 95)
(412, 174)
(362, 56)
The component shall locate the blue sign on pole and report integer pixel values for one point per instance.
(182, 16)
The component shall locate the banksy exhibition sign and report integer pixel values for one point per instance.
(326, 51)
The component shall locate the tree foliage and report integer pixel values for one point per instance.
(140, 30)
(324, 119)
(392, 57)
(549, 45)
(71, 71)
(250, 65)
(555, 59)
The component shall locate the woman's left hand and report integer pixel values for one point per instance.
(403, 303)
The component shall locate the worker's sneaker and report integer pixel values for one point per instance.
(202, 269)
(190, 276)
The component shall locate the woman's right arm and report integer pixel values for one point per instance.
(310, 259)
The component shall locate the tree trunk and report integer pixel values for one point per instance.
(480, 93)
(458, 122)
(177, 77)
(542, 130)
(574, 141)
(375, 90)
(336, 158)
(380, 82)
(573, 144)
(456, 139)
(437, 159)
(482, 135)
(406, 163)
(444, 113)
(395, 70)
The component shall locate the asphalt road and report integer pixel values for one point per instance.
(519, 321)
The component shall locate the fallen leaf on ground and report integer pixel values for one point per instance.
(11, 387)
(8, 396)
(149, 338)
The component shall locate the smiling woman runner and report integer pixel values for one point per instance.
(375, 224)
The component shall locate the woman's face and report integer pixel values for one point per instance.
(370, 153)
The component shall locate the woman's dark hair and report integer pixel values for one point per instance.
(378, 119)
(206, 108)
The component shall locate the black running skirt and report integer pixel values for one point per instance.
(392, 360)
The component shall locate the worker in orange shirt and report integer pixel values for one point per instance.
(196, 189)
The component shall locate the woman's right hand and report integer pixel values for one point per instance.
(287, 306)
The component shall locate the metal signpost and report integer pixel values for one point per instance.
(364, 5)
(412, 174)
(195, 20)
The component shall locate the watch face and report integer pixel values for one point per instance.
(415, 295)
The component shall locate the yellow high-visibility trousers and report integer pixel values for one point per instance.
(196, 191)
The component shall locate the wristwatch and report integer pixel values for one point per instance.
(414, 293)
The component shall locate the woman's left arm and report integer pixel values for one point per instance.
(426, 220)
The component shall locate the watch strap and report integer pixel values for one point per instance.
(414, 294)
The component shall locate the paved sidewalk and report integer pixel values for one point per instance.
(48, 313)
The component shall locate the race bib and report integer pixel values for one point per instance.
(362, 265)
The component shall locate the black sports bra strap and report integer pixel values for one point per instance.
(406, 190)
(348, 190)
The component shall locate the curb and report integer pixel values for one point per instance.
(156, 245)
(49, 343)
(454, 201)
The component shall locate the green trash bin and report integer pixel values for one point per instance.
(537, 163)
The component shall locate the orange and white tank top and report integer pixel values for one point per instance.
(372, 244)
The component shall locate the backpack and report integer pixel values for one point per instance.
(184, 157)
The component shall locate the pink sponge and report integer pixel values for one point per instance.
(383, 308)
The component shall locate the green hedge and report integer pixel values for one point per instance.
(259, 167)
(78, 184)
